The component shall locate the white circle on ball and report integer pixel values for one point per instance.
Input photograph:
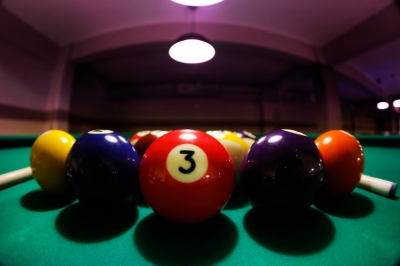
(100, 131)
(294, 132)
(187, 163)
(143, 133)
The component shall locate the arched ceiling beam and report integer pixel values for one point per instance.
(214, 32)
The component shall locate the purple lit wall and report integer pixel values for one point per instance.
(26, 68)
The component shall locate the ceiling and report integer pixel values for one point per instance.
(256, 41)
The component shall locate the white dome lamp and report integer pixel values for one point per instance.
(192, 48)
(396, 103)
(197, 2)
(382, 105)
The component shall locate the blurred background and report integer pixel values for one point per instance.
(308, 65)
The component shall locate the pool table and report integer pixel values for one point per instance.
(361, 229)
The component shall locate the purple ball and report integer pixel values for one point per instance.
(282, 170)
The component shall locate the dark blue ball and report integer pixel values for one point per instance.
(103, 169)
(282, 170)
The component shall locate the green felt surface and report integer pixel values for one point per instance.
(362, 229)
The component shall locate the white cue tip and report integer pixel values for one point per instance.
(377, 185)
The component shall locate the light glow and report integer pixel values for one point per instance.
(382, 105)
(187, 136)
(111, 139)
(197, 2)
(261, 139)
(274, 139)
(327, 140)
(192, 51)
(122, 139)
(396, 103)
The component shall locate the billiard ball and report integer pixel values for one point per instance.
(138, 135)
(103, 168)
(283, 170)
(248, 137)
(144, 142)
(186, 176)
(47, 159)
(343, 158)
(234, 145)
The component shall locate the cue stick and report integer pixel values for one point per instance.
(377, 185)
(14, 177)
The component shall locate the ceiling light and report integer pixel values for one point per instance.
(197, 2)
(192, 48)
(396, 103)
(382, 105)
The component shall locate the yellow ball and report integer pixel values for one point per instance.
(234, 145)
(48, 156)
(248, 137)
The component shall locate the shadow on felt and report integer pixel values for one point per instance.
(40, 200)
(353, 206)
(168, 243)
(237, 200)
(290, 233)
(81, 223)
(139, 200)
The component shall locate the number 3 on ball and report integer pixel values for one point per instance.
(187, 163)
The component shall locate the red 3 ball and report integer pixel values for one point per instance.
(186, 176)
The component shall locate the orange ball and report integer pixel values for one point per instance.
(343, 159)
